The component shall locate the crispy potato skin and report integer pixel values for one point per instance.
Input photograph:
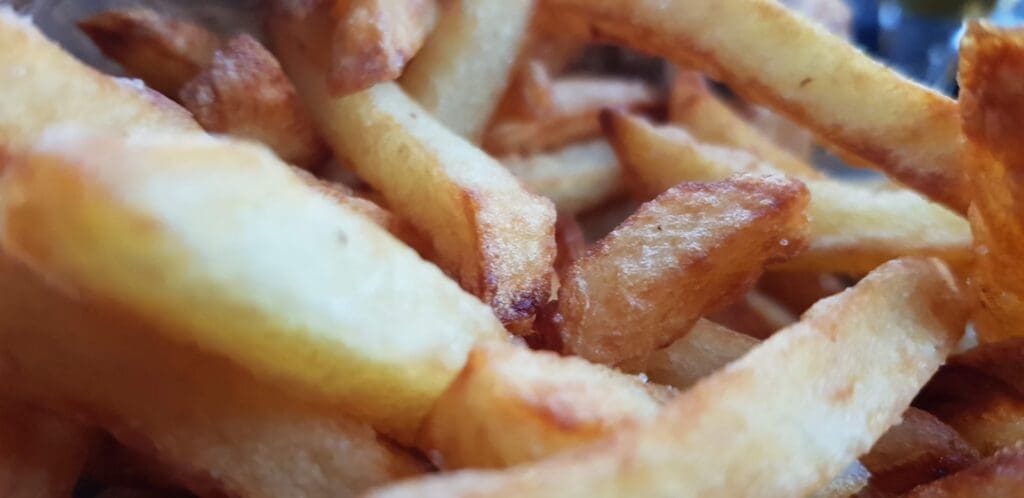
(162, 51)
(373, 40)
(41, 454)
(245, 93)
(999, 476)
(992, 105)
(856, 358)
(690, 250)
(910, 132)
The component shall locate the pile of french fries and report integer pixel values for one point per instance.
(414, 248)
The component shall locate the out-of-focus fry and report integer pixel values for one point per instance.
(704, 350)
(795, 139)
(1003, 360)
(244, 93)
(999, 476)
(41, 454)
(910, 132)
(826, 387)
(216, 427)
(834, 15)
(374, 40)
(461, 72)
(846, 484)
(756, 315)
(799, 291)
(576, 178)
(235, 254)
(528, 95)
(162, 51)
(698, 246)
(491, 235)
(47, 85)
(570, 242)
(853, 228)
(992, 105)
(707, 118)
(917, 450)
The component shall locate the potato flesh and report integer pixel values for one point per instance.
(576, 178)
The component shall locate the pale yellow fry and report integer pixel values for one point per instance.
(41, 454)
(705, 349)
(460, 73)
(772, 56)
(781, 421)
(490, 234)
(853, 228)
(225, 247)
(576, 178)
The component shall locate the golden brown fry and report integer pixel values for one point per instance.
(853, 228)
(755, 314)
(692, 249)
(47, 85)
(244, 93)
(819, 80)
(799, 291)
(528, 95)
(992, 106)
(461, 72)
(999, 476)
(792, 137)
(705, 349)
(236, 254)
(162, 51)
(216, 427)
(571, 246)
(491, 235)
(826, 389)
(708, 119)
(916, 451)
(576, 178)
(41, 455)
(374, 40)
(1003, 360)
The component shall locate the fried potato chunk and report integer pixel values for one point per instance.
(819, 80)
(799, 291)
(826, 387)
(490, 234)
(992, 105)
(576, 178)
(375, 39)
(160, 50)
(41, 454)
(705, 349)
(755, 314)
(999, 476)
(245, 93)
(853, 228)
(219, 242)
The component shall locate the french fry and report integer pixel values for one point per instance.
(569, 239)
(528, 95)
(160, 50)
(999, 476)
(1002, 360)
(834, 15)
(576, 178)
(799, 291)
(992, 105)
(493, 237)
(41, 454)
(755, 314)
(845, 485)
(215, 426)
(853, 228)
(461, 72)
(708, 119)
(236, 255)
(705, 349)
(910, 132)
(47, 85)
(375, 39)
(243, 92)
(792, 137)
(818, 408)
(702, 245)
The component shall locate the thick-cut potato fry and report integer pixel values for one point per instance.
(705, 349)
(834, 15)
(491, 235)
(992, 105)
(215, 426)
(693, 249)
(221, 244)
(244, 93)
(916, 451)
(576, 178)
(756, 315)
(374, 40)
(826, 389)
(853, 228)
(44, 85)
(461, 72)
(999, 476)
(707, 118)
(41, 454)
(799, 291)
(162, 51)
(818, 79)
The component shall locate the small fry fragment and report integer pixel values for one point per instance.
(244, 93)
(41, 454)
(576, 178)
(999, 476)
(799, 291)
(826, 387)
(755, 314)
(692, 249)
(571, 245)
(705, 349)
(162, 51)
